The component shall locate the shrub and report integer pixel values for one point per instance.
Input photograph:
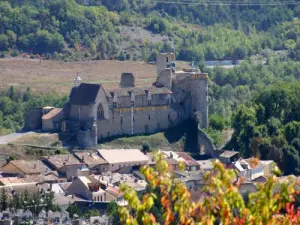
(168, 201)
(146, 147)
(216, 122)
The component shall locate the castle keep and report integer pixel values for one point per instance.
(93, 113)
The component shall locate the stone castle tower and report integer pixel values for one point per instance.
(94, 113)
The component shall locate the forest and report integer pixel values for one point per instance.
(14, 103)
(257, 98)
(91, 29)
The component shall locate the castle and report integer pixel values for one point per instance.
(93, 113)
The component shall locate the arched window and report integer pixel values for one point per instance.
(100, 112)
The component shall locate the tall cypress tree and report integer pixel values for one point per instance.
(4, 200)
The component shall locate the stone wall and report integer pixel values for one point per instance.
(33, 119)
(165, 79)
(127, 80)
(87, 138)
(206, 146)
(162, 61)
(53, 124)
(147, 120)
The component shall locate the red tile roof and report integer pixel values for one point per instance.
(188, 159)
(51, 114)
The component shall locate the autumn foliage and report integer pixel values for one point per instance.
(168, 201)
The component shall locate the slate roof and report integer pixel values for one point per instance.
(84, 94)
(125, 92)
(162, 90)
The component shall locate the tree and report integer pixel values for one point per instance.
(216, 122)
(292, 130)
(4, 200)
(74, 209)
(112, 211)
(4, 44)
(222, 204)
(146, 147)
(11, 92)
(291, 161)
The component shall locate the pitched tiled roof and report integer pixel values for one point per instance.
(90, 158)
(30, 167)
(188, 159)
(115, 191)
(84, 94)
(59, 161)
(228, 154)
(51, 114)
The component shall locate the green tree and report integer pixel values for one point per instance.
(4, 44)
(216, 122)
(292, 130)
(4, 199)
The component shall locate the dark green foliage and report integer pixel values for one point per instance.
(73, 209)
(216, 122)
(48, 26)
(14, 103)
(270, 127)
(35, 202)
(84, 29)
(146, 147)
(112, 212)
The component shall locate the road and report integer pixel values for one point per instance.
(4, 140)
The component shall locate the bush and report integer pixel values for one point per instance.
(216, 122)
(146, 147)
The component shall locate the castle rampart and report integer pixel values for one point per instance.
(93, 113)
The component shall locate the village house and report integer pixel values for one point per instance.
(66, 165)
(190, 163)
(93, 161)
(119, 158)
(244, 169)
(174, 158)
(30, 167)
(89, 189)
(206, 165)
(51, 119)
(228, 157)
(268, 166)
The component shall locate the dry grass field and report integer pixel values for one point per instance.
(49, 76)
(58, 76)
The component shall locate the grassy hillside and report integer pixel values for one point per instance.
(179, 138)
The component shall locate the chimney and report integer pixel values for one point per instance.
(34, 166)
